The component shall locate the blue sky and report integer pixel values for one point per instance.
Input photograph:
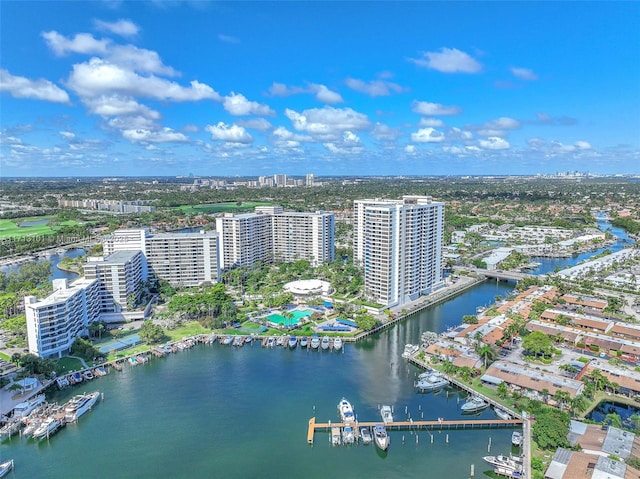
(118, 88)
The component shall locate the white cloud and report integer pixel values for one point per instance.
(81, 43)
(434, 109)
(583, 145)
(427, 135)
(228, 38)
(383, 132)
(286, 138)
(139, 59)
(410, 149)
(325, 95)
(449, 60)
(374, 87)
(98, 77)
(67, 135)
(122, 27)
(229, 133)
(280, 89)
(431, 122)
(503, 123)
(238, 105)
(524, 73)
(350, 137)
(491, 132)
(327, 122)
(494, 143)
(165, 135)
(256, 124)
(132, 122)
(116, 105)
(458, 134)
(21, 87)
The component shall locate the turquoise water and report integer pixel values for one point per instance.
(297, 315)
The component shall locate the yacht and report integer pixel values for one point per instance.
(315, 342)
(516, 438)
(48, 427)
(335, 436)
(474, 404)
(24, 408)
(6, 467)
(79, 404)
(365, 435)
(324, 344)
(337, 344)
(504, 462)
(432, 382)
(387, 414)
(410, 350)
(345, 410)
(304, 342)
(280, 341)
(381, 437)
(293, 342)
(502, 414)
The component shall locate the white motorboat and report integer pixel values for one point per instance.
(348, 435)
(304, 342)
(381, 437)
(410, 350)
(280, 341)
(387, 414)
(315, 342)
(48, 427)
(365, 435)
(346, 411)
(474, 404)
(335, 436)
(6, 467)
(80, 404)
(24, 408)
(504, 462)
(502, 414)
(324, 344)
(293, 342)
(271, 342)
(337, 344)
(432, 382)
(516, 438)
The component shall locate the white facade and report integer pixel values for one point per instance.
(245, 239)
(120, 276)
(308, 236)
(54, 322)
(399, 245)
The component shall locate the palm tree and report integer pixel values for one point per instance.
(487, 353)
(578, 404)
(561, 397)
(613, 419)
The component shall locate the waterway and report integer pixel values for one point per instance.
(216, 411)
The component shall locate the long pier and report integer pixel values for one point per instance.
(401, 425)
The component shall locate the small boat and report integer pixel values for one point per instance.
(337, 344)
(88, 375)
(238, 341)
(345, 410)
(31, 427)
(315, 342)
(381, 437)
(432, 382)
(348, 435)
(132, 361)
(24, 408)
(100, 371)
(47, 428)
(324, 344)
(335, 436)
(248, 339)
(387, 414)
(271, 342)
(6, 467)
(77, 377)
(227, 340)
(410, 350)
(280, 341)
(62, 382)
(504, 462)
(304, 342)
(474, 404)
(516, 438)
(502, 414)
(365, 435)
(293, 342)
(80, 404)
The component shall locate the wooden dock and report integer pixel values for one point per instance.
(410, 424)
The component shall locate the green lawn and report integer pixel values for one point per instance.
(6, 357)
(10, 228)
(66, 365)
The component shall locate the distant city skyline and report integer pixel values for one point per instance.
(122, 88)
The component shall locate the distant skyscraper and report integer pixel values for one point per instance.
(399, 245)
(280, 180)
(310, 180)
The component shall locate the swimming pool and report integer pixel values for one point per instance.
(297, 315)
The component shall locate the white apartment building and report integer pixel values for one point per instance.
(183, 259)
(120, 276)
(273, 234)
(399, 245)
(54, 322)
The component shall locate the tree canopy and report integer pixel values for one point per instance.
(538, 343)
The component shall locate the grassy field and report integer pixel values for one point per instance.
(230, 207)
(11, 229)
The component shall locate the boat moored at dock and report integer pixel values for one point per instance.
(432, 382)
(516, 438)
(25, 408)
(387, 414)
(293, 342)
(315, 342)
(324, 344)
(474, 404)
(348, 435)
(48, 427)
(337, 344)
(304, 342)
(6, 467)
(381, 437)
(80, 404)
(365, 435)
(346, 411)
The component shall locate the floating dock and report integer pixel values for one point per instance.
(410, 424)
